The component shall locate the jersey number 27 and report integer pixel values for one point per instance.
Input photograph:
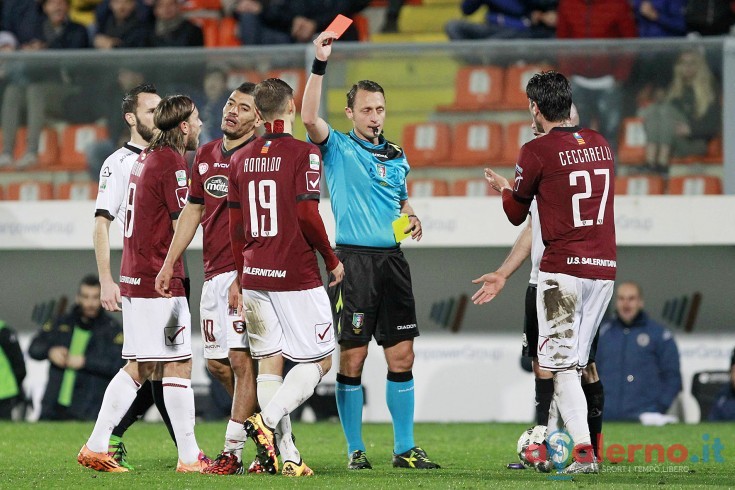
(586, 194)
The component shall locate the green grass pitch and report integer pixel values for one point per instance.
(43, 455)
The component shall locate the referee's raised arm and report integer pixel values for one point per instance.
(317, 127)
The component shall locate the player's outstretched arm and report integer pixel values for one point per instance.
(110, 291)
(494, 282)
(185, 227)
(316, 127)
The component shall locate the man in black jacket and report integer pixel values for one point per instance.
(84, 349)
(12, 371)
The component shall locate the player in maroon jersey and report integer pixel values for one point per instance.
(156, 329)
(275, 228)
(570, 171)
(225, 339)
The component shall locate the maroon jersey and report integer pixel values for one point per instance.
(210, 177)
(156, 194)
(267, 179)
(572, 174)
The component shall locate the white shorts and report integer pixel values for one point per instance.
(295, 323)
(569, 311)
(222, 328)
(156, 329)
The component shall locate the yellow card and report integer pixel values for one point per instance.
(399, 225)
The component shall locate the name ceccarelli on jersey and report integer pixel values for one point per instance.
(135, 281)
(584, 155)
(262, 164)
(256, 271)
(591, 261)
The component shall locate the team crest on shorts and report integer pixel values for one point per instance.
(381, 170)
(239, 326)
(174, 335)
(358, 319)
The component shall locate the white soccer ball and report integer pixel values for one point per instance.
(528, 453)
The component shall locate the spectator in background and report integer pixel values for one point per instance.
(684, 119)
(543, 15)
(22, 18)
(292, 21)
(82, 11)
(724, 407)
(171, 29)
(597, 76)
(84, 349)
(41, 89)
(143, 11)
(12, 371)
(210, 107)
(122, 29)
(710, 17)
(638, 362)
(391, 16)
(660, 18)
(505, 19)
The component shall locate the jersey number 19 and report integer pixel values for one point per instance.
(263, 209)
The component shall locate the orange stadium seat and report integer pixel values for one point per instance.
(639, 185)
(426, 143)
(694, 185)
(472, 188)
(427, 188)
(30, 191)
(75, 140)
(362, 24)
(516, 135)
(77, 191)
(295, 77)
(514, 88)
(228, 35)
(632, 148)
(48, 146)
(477, 88)
(476, 143)
(237, 77)
(210, 29)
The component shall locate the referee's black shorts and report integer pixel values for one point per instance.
(375, 299)
(530, 328)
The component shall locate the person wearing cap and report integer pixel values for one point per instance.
(724, 407)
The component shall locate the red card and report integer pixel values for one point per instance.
(339, 25)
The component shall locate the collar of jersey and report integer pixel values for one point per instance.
(567, 129)
(380, 145)
(233, 150)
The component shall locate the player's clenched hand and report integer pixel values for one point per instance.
(163, 279)
(414, 228)
(323, 44)
(492, 284)
(110, 295)
(338, 273)
(234, 295)
(497, 182)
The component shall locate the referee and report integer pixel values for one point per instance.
(366, 177)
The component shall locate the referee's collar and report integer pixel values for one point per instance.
(381, 141)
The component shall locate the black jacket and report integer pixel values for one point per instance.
(102, 362)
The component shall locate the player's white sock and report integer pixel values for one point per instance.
(572, 405)
(235, 437)
(297, 387)
(179, 399)
(268, 385)
(119, 395)
(555, 422)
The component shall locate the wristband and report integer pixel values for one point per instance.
(318, 67)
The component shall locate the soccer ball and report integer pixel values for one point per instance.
(529, 452)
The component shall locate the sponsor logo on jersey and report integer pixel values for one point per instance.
(256, 271)
(265, 147)
(181, 194)
(106, 172)
(381, 170)
(216, 186)
(313, 161)
(181, 177)
(312, 181)
(203, 167)
(135, 281)
(578, 137)
(221, 165)
(406, 327)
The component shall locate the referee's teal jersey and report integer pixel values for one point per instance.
(366, 185)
